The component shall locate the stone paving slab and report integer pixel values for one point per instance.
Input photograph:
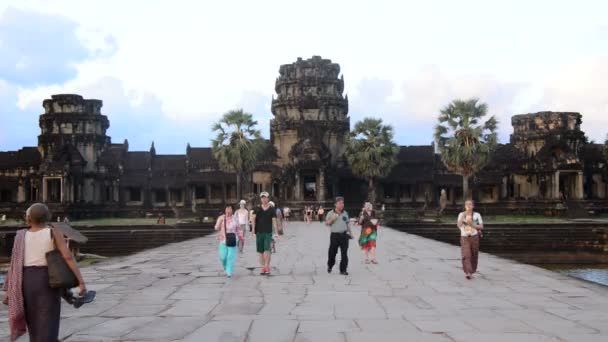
(416, 293)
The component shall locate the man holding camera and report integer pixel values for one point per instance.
(338, 221)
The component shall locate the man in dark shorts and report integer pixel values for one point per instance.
(264, 224)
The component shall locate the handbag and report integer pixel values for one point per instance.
(230, 237)
(60, 274)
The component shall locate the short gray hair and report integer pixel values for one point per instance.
(339, 199)
(38, 213)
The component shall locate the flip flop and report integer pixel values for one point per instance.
(88, 297)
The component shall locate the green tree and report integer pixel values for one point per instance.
(465, 143)
(238, 144)
(371, 152)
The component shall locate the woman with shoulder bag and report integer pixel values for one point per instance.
(229, 234)
(470, 224)
(33, 305)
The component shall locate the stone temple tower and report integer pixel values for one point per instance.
(73, 135)
(311, 120)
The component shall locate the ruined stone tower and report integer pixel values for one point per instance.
(311, 119)
(73, 135)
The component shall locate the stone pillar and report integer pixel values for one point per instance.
(555, 184)
(223, 192)
(21, 191)
(116, 191)
(45, 190)
(298, 187)
(61, 186)
(579, 193)
(321, 192)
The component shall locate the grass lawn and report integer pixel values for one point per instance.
(116, 221)
(514, 219)
(110, 221)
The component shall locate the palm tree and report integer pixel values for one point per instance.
(371, 152)
(465, 144)
(238, 144)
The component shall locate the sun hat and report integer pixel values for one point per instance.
(264, 194)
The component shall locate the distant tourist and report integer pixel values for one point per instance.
(321, 214)
(229, 234)
(286, 214)
(264, 222)
(470, 225)
(66, 220)
(443, 201)
(34, 306)
(369, 232)
(243, 220)
(338, 221)
(161, 219)
(309, 214)
(3, 218)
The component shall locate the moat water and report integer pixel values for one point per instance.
(594, 273)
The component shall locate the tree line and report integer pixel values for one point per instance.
(465, 137)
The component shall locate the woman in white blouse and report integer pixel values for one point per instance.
(470, 225)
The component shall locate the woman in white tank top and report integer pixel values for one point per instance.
(33, 305)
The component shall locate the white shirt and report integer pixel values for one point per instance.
(37, 244)
(242, 214)
(466, 230)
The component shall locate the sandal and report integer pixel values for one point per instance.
(375, 261)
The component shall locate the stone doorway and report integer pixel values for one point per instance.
(567, 185)
(53, 190)
(310, 187)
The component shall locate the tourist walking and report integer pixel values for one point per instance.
(369, 232)
(321, 214)
(264, 222)
(34, 306)
(471, 226)
(242, 215)
(309, 214)
(230, 233)
(338, 221)
(286, 214)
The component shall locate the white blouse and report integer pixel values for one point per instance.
(466, 230)
(37, 244)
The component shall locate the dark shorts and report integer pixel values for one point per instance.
(262, 242)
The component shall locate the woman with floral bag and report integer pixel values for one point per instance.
(369, 232)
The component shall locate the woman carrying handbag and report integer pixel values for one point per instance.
(33, 305)
(230, 233)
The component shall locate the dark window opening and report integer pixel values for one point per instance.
(389, 191)
(160, 196)
(135, 194)
(176, 195)
(200, 192)
(6, 196)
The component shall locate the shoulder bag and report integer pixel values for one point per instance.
(60, 274)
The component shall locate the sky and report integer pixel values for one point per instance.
(166, 70)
